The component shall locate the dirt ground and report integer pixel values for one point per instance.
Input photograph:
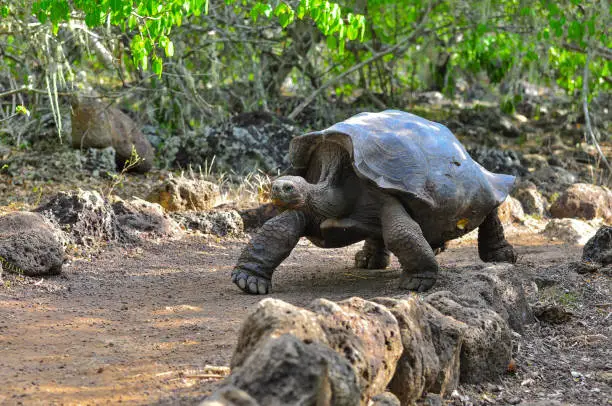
(139, 325)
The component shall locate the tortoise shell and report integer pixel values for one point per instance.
(419, 160)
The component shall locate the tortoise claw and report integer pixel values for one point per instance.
(251, 283)
(417, 282)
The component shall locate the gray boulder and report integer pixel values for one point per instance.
(30, 245)
(585, 201)
(288, 371)
(550, 179)
(96, 124)
(431, 348)
(569, 230)
(89, 220)
(498, 161)
(487, 339)
(530, 198)
(98, 161)
(217, 222)
(249, 141)
(498, 287)
(273, 318)
(367, 335)
(138, 218)
(84, 215)
(181, 194)
(599, 247)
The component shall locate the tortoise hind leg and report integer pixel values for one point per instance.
(404, 238)
(373, 255)
(492, 243)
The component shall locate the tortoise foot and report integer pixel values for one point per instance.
(366, 259)
(505, 253)
(251, 283)
(417, 282)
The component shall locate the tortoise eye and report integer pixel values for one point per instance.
(288, 188)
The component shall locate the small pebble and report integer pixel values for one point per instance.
(576, 374)
(527, 382)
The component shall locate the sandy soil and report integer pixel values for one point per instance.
(139, 325)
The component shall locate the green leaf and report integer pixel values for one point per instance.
(156, 65)
(575, 31)
(332, 43)
(303, 8)
(116, 5)
(169, 48)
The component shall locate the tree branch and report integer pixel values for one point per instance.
(585, 107)
(602, 52)
(399, 46)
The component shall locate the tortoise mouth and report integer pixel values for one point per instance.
(295, 203)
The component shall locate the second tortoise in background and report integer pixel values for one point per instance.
(402, 183)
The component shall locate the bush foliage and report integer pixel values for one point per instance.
(185, 62)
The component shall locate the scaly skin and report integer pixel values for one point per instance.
(272, 243)
(492, 243)
(404, 238)
(373, 255)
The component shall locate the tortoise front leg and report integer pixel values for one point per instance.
(404, 238)
(373, 255)
(492, 243)
(272, 243)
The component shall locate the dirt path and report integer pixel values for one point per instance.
(137, 326)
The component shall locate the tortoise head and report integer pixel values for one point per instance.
(289, 192)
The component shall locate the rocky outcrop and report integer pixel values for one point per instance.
(285, 370)
(30, 245)
(569, 230)
(599, 247)
(498, 287)
(498, 161)
(487, 341)
(531, 199)
(365, 333)
(218, 222)
(89, 220)
(181, 194)
(98, 161)
(432, 345)
(98, 125)
(250, 141)
(550, 179)
(138, 219)
(584, 201)
(490, 118)
(408, 345)
(510, 211)
(83, 215)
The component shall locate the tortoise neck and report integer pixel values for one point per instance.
(326, 200)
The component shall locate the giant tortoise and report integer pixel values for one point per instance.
(400, 182)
